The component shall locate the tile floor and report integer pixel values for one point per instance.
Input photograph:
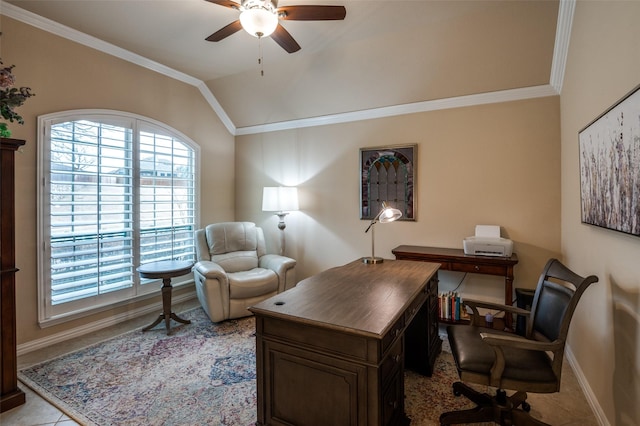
(566, 408)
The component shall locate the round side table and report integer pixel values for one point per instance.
(165, 270)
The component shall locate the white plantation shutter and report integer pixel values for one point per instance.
(117, 192)
(91, 209)
(166, 198)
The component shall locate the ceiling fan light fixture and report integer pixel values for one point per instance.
(258, 19)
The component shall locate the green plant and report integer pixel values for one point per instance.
(4, 131)
(11, 97)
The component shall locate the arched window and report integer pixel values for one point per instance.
(116, 190)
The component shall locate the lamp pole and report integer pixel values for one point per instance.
(281, 226)
(390, 214)
(373, 259)
(281, 200)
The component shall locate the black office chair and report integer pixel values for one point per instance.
(505, 360)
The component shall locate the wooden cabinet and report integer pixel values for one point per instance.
(332, 379)
(331, 350)
(11, 396)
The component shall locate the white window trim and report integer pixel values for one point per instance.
(45, 319)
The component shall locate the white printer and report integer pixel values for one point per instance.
(487, 242)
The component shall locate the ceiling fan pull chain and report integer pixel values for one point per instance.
(260, 58)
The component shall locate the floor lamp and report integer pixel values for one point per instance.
(387, 214)
(282, 200)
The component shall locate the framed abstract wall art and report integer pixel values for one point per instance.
(388, 174)
(609, 150)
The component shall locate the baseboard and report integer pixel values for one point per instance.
(34, 345)
(586, 389)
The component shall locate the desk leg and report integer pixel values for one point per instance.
(508, 298)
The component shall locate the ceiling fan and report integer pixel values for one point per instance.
(260, 19)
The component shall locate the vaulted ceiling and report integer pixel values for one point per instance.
(383, 54)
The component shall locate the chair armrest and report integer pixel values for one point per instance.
(212, 289)
(517, 342)
(276, 263)
(209, 269)
(496, 307)
(500, 341)
(475, 304)
(280, 265)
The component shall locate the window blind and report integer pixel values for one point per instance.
(118, 193)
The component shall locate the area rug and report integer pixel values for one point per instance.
(202, 374)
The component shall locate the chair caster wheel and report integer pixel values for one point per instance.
(526, 406)
(457, 387)
(501, 397)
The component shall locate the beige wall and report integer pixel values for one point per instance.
(603, 65)
(65, 75)
(492, 164)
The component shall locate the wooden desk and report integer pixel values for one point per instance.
(165, 270)
(330, 351)
(456, 260)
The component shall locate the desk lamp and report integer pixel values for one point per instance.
(282, 200)
(387, 214)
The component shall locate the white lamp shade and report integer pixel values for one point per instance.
(279, 199)
(258, 22)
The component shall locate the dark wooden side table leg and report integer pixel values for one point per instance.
(166, 305)
(177, 318)
(166, 302)
(166, 314)
(153, 324)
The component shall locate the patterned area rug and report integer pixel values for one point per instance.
(203, 374)
(428, 397)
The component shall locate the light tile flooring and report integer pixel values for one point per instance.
(566, 408)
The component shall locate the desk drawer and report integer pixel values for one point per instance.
(324, 340)
(392, 363)
(393, 400)
(392, 335)
(478, 269)
(416, 304)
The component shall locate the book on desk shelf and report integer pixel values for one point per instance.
(450, 307)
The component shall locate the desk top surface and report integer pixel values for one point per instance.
(357, 297)
(452, 253)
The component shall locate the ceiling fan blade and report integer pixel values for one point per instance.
(225, 32)
(284, 39)
(312, 13)
(226, 3)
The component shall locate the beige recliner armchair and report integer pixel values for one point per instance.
(234, 271)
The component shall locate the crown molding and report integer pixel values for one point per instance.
(92, 42)
(79, 37)
(412, 108)
(217, 108)
(561, 47)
